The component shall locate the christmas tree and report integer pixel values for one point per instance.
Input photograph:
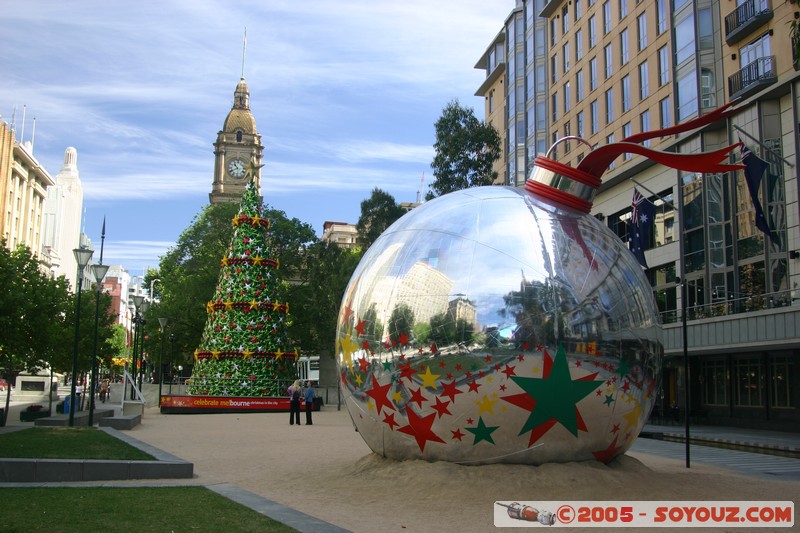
(242, 351)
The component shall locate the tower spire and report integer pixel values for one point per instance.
(244, 50)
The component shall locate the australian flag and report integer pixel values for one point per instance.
(640, 226)
(754, 168)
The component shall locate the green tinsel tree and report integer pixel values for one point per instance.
(242, 351)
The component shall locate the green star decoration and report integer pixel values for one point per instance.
(482, 432)
(556, 394)
(609, 399)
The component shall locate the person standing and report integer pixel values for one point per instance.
(309, 401)
(295, 391)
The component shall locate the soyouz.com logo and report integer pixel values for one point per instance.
(669, 514)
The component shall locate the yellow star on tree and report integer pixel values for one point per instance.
(252, 169)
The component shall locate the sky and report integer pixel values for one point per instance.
(345, 95)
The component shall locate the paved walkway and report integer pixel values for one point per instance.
(775, 441)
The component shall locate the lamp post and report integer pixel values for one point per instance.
(163, 323)
(171, 351)
(82, 256)
(99, 272)
(138, 300)
(145, 306)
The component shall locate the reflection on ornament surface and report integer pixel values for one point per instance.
(489, 325)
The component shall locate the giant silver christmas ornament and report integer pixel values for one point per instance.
(497, 324)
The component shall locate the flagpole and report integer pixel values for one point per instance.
(762, 145)
(684, 307)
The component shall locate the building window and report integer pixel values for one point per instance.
(578, 45)
(623, 9)
(553, 68)
(592, 31)
(748, 383)
(609, 54)
(609, 106)
(714, 382)
(593, 74)
(553, 27)
(641, 23)
(626, 94)
(684, 38)
(661, 16)
(626, 132)
(707, 96)
(782, 376)
(687, 95)
(579, 85)
(645, 125)
(606, 17)
(566, 56)
(644, 81)
(554, 105)
(541, 116)
(623, 46)
(663, 65)
(578, 10)
(610, 140)
(579, 124)
(564, 20)
(566, 98)
(666, 113)
(595, 118)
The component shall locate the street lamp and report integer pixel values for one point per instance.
(82, 256)
(144, 307)
(138, 300)
(171, 351)
(99, 272)
(163, 323)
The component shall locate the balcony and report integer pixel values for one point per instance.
(759, 74)
(745, 19)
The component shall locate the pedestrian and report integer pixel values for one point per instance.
(309, 401)
(294, 402)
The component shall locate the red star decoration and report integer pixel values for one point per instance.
(470, 421)
(363, 364)
(615, 428)
(417, 397)
(406, 371)
(360, 327)
(457, 434)
(598, 392)
(365, 345)
(458, 367)
(474, 386)
(520, 357)
(379, 393)
(403, 340)
(441, 364)
(609, 453)
(420, 429)
(389, 419)
(509, 371)
(578, 364)
(488, 358)
(627, 386)
(450, 390)
(433, 348)
(348, 312)
(441, 407)
(525, 346)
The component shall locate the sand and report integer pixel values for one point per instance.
(327, 471)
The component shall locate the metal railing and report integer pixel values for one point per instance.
(759, 73)
(731, 306)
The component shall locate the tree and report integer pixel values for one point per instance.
(401, 324)
(33, 311)
(378, 212)
(244, 350)
(465, 148)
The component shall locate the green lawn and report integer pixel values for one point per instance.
(141, 509)
(67, 443)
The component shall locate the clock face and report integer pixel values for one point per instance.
(236, 168)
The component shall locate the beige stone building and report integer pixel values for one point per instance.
(615, 68)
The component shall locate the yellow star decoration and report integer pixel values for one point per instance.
(256, 219)
(278, 354)
(210, 307)
(253, 304)
(370, 405)
(486, 405)
(359, 381)
(252, 169)
(224, 261)
(632, 418)
(215, 354)
(247, 354)
(397, 396)
(348, 348)
(256, 260)
(196, 353)
(228, 304)
(287, 308)
(276, 306)
(428, 379)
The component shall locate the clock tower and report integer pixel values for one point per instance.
(238, 145)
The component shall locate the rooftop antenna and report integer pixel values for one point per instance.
(22, 135)
(244, 50)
